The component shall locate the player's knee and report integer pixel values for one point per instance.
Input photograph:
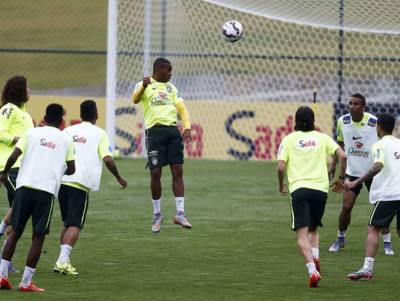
(156, 173)
(177, 171)
(347, 207)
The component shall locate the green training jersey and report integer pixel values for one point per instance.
(159, 103)
(305, 154)
(14, 122)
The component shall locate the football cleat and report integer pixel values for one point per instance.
(182, 220)
(30, 288)
(360, 274)
(5, 284)
(157, 221)
(65, 269)
(336, 245)
(387, 246)
(314, 279)
(317, 264)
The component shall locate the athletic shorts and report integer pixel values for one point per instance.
(358, 188)
(32, 202)
(73, 206)
(164, 146)
(308, 207)
(384, 212)
(10, 184)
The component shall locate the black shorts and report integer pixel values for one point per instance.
(383, 214)
(164, 146)
(32, 202)
(308, 206)
(358, 188)
(10, 184)
(73, 206)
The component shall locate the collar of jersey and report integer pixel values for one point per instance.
(363, 120)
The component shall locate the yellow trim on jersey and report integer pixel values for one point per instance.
(76, 185)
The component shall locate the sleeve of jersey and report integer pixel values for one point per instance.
(282, 151)
(332, 146)
(6, 120)
(104, 146)
(71, 152)
(21, 144)
(378, 153)
(183, 113)
(339, 131)
(138, 90)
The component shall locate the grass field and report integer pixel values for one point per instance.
(240, 247)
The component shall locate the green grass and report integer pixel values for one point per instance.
(240, 247)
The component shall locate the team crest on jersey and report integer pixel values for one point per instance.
(358, 145)
(347, 119)
(372, 122)
(169, 89)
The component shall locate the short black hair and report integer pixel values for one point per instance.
(360, 97)
(387, 123)
(304, 119)
(160, 62)
(54, 114)
(15, 91)
(88, 110)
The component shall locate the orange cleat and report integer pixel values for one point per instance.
(5, 284)
(314, 279)
(30, 288)
(317, 265)
(182, 220)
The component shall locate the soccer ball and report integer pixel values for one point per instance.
(232, 31)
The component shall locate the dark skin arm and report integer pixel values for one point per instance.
(110, 164)
(10, 162)
(70, 168)
(337, 185)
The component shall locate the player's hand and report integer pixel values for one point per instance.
(331, 172)
(122, 182)
(338, 186)
(350, 184)
(146, 82)
(282, 190)
(187, 136)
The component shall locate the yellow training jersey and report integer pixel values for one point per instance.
(14, 122)
(305, 154)
(159, 103)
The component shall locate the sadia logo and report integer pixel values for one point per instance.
(78, 139)
(48, 144)
(358, 145)
(308, 143)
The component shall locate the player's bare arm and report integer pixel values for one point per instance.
(110, 164)
(281, 177)
(375, 169)
(337, 185)
(137, 96)
(332, 166)
(70, 168)
(10, 162)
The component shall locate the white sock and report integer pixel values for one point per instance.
(3, 227)
(180, 204)
(27, 276)
(386, 237)
(311, 268)
(64, 254)
(368, 264)
(341, 234)
(157, 206)
(4, 265)
(315, 252)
